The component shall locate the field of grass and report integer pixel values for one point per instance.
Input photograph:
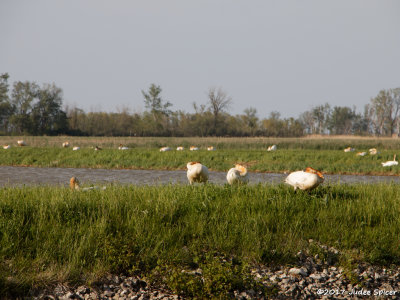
(53, 234)
(261, 143)
(257, 160)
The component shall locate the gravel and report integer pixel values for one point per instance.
(311, 278)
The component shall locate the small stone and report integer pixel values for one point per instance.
(273, 278)
(298, 271)
(82, 290)
(316, 277)
(60, 290)
(109, 293)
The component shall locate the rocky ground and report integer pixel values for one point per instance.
(315, 277)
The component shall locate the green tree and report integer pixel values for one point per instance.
(6, 108)
(23, 96)
(250, 120)
(47, 115)
(154, 103)
(341, 120)
(157, 119)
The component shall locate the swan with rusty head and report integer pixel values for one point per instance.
(237, 175)
(305, 180)
(165, 149)
(196, 172)
(21, 143)
(122, 147)
(75, 185)
(349, 149)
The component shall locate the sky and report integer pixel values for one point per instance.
(286, 56)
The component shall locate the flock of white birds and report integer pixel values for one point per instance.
(181, 148)
(373, 151)
(304, 180)
(307, 179)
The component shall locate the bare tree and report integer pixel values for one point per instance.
(321, 115)
(219, 102)
(384, 111)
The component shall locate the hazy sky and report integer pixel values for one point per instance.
(285, 56)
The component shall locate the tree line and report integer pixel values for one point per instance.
(28, 108)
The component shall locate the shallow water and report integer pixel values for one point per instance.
(12, 176)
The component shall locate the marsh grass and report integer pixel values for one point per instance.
(284, 160)
(52, 234)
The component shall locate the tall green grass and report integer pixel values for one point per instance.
(52, 234)
(328, 161)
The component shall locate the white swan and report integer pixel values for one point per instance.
(121, 147)
(180, 148)
(210, 148)
(349, 149)
(305, 180)
(6, 147)
(272, 148)
(373, 151)
(65, 144)
(390, 163)
(196, 172)
(164, 149)
(238, 174)
(75, 148)
(193, 148)
(21, 143)
(74, 185)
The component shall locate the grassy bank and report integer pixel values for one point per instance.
(50, 235)
(260, 143)
(283, 160)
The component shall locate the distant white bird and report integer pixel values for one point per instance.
(390, 163)
(349, 149)
(305, 180)
(373, 151)
(238, 174)
(196, 172)
(193, 148)
(65, 144)
(121, 147)
(180, 148)
(272, 148)
(6, 147)
(21, 143)
(75, 148)
(164, 149)
(74, 185)
(361, 153)
(210, 148)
